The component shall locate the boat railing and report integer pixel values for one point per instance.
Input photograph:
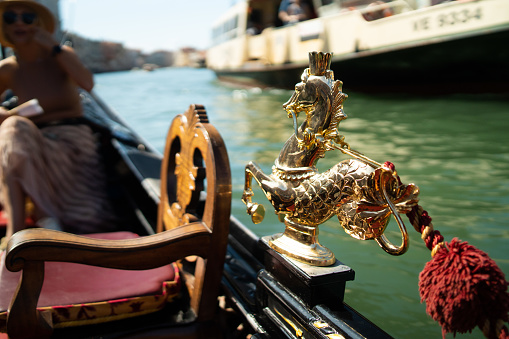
(268, 47)
(392, 8)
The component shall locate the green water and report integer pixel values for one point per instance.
(455, 148)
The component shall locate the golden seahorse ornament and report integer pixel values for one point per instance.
(361, 192)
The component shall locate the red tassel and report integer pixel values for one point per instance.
(464, 288)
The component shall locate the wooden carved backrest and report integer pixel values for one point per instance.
(195, 159)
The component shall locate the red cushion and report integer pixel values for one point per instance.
(67, 283)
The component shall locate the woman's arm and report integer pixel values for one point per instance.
(71, 63)
(67, 58)
(6, 70)
(4, 114)
(27, 109)
(5, 76)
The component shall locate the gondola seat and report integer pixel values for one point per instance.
(70, 280)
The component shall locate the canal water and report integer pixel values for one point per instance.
(455, 148)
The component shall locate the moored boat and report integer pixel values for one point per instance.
(272, 295)
(400, 45)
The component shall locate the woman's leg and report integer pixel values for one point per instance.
(17, 140)
(14, 204)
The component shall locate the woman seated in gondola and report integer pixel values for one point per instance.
(48, 154)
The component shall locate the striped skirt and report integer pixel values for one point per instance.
(60, 169)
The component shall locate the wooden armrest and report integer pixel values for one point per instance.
(27, 250)
(131, 254)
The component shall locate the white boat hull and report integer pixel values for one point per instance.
(451, 43)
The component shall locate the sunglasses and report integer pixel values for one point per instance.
(11, 17)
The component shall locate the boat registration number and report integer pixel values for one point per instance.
(448, 19)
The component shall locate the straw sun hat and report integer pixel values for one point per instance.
(45, 17)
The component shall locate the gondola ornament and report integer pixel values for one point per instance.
(461, 285)
(359, 191)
